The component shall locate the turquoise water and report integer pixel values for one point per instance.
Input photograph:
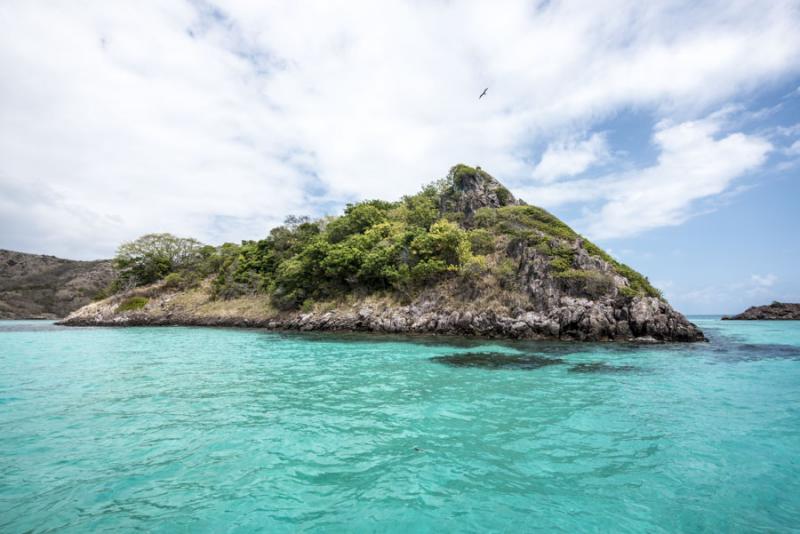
(215, 430)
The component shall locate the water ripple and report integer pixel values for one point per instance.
(208, 430)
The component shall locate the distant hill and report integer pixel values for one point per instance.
(35, 286)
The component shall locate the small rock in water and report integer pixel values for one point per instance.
(602, 367)
(496, 360)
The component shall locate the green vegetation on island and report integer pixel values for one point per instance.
(395, 248)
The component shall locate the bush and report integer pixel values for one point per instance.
(174, 281)
(421, 210)
(461, 172)
(358, 218)
(503, 195)
(506, 273)
(639, 285)
(153, 256)
(481, 241)
(428, 271)
(445, 241)
(474, 269)
(627, 291)
(132, 304)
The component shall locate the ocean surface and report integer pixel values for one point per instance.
(224, 430)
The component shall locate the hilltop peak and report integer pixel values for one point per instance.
(470, 188)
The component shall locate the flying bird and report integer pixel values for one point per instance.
(483, 93)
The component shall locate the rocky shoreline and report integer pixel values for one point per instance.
(640, 319)
(777, 311)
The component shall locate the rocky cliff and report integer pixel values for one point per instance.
(45, 287)
(777, 311)
(519, 273)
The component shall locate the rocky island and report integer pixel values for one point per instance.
(462, 257)
(777, 311)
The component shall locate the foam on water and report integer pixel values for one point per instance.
(209, 430)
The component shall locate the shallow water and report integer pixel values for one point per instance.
(217, 430)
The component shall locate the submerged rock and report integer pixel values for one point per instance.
(497, 360)
(602, 367)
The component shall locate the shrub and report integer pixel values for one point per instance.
(627, 291)
(481, 241)
(445, 241)
(563, 258)
(639, 285)
(420, 209)
(461, 172)
(132, 304)
(174, 281)
(153, 256)
(476, 267)
(506, 273)
(484, 218)
(428, 271)
(358, 218)
(503, 195)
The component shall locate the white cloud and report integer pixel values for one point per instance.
(218, 121)
(693, 164)
(794, 150)
(733, 296)
(765, 281)
(571, 157)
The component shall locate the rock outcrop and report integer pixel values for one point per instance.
(471, 189)
(777, 311)
(35, 286)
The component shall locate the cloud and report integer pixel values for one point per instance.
(733, 296)
(571, 157)
(765, 281)
(794, 150)
(218, 119)
(693, 163)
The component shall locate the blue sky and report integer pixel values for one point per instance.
(666, 131)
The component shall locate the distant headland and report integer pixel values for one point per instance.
(35, 286)
(777, 311)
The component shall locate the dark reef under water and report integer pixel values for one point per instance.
(603, 367)
(496, 360)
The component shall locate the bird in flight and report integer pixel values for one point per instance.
(483, 93)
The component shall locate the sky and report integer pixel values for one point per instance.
(667, 132)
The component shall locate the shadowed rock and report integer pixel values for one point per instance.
(496, 360)
(603, 367)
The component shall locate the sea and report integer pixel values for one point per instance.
(178, 429)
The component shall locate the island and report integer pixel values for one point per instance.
(461, 257)
(777, 311)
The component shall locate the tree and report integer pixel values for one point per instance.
(153, 256)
